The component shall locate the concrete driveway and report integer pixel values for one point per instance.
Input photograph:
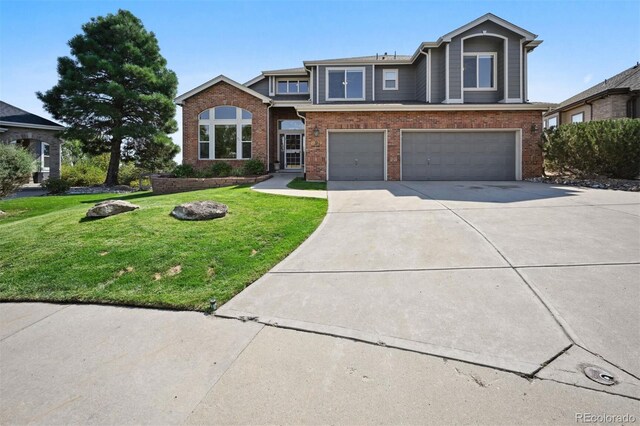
(530, 278)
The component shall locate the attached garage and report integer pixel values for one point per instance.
(460, 155)
(356, 155)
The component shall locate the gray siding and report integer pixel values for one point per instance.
(261, 86)
(437, 70)
(487, 44)
(406, 83)
(322, 76)
(421, 78)
(514, 51)
(455, 69)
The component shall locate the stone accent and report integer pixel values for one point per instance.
(612, 106)
(200, 210)
(217, 95)
(394, 121)
(37, 135)
(111, 208)
(168, 185)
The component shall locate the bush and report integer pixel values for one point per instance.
(221, 169)
(15, 168)
(184, 171)
(253, 168)
(56, 186)
(608, 148)
(129, 174)
(84, 173)
(237, 172)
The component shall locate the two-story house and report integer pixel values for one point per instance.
(456, 109)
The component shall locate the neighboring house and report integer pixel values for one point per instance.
(616, 97)
(36, 134)
(456, 109)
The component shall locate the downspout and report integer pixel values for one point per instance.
(269, 135)
(304, 145)
(426, 72)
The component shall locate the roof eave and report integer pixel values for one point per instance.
(495, 19)
(595, 96)
(31, 126)
(220, 79)
(422, 107)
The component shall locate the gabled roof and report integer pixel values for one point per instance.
(493, 18)
(220, 79)
(13, 116)
(627, 80)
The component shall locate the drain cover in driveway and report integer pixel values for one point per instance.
(599, 375)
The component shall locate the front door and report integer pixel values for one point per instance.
(292, 148)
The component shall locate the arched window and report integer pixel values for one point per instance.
(224, 132)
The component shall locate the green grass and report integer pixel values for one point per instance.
(300, 183)
(49, 252)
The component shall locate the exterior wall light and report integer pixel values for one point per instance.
(316, 131)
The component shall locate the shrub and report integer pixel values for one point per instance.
(84, 173)
(221, 169)
(56, 186)
(253, 167)
(608, 148)
(15, 168)
(129, 174)
(184, 170)
(237, 171)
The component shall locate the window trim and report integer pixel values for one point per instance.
(395, 80)
(42, 166)
(345, 69)
(238, 122)
(580, 114)
(548, 119)
(287, 93)
(494, 83)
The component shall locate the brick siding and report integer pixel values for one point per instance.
(165, 185)
(394, 121)
(217, 95)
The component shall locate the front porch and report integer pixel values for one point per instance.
(286, 140)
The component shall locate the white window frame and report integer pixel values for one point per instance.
(212, 122)
(494, 83)
(395, 80)
(42, 166)
(297, 80)
(345, 69)
(578, 114)
(548, 120)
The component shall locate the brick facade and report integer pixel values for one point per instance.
(218, 95)
(393, 122)
(36, 136)
(613, 106)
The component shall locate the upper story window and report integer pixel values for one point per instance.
(389, 79)
(292, 87)
(551, 122)
(224, 132)
(479, 71)
(577, 118)
(345, 84)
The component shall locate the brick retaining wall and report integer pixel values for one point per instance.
(169, 185)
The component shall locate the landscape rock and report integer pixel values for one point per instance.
(111, 208)
(597, 183)
(2, 213)
(199, 210)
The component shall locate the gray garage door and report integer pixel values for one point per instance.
(356, 156)
(458, 156)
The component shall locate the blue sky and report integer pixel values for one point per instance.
(584, 41)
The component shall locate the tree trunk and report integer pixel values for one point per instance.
(114, 164)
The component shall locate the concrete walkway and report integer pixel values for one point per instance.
(278, 185)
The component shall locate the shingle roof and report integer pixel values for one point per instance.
(627, 79)
(286, 71)
(372, 58)
(12, 114)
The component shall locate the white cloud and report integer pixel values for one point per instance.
(587, 78)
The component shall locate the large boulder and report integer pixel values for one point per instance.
(199, 210)
(111, 208)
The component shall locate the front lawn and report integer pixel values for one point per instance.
(49, 252)
(300, 183)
